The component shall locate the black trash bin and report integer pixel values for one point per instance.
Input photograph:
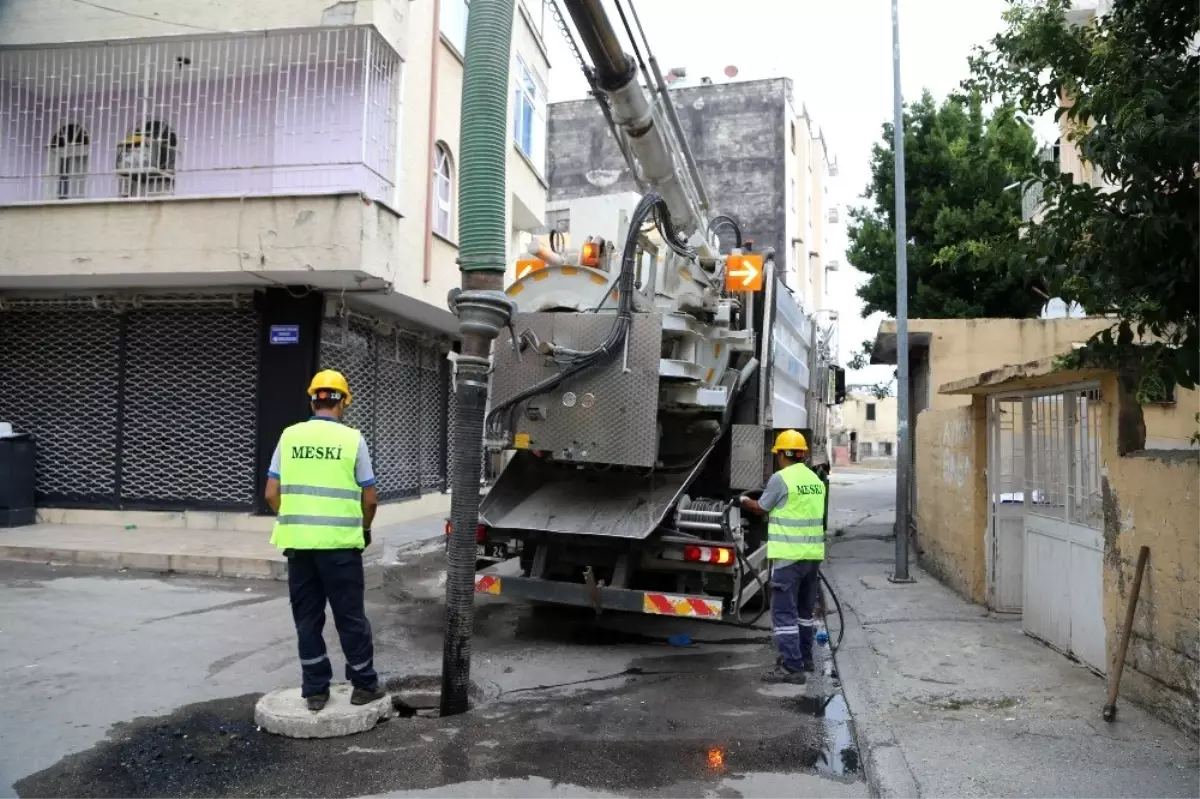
(16, 480)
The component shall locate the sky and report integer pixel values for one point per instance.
(838, 54)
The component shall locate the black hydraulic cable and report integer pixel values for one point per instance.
(724, 220)
(620, 327)
(836, 602)
(841, 618)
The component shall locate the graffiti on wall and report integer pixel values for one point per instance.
(957, 434)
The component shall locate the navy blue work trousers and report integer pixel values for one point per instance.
(794, 588)
(317, 576)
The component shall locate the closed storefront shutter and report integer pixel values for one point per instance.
(135, 407)
(400, 403)
(190, 406)
(60, 373)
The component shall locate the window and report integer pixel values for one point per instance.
(867, 448)
(792, 195)
(69, 161)
(529, 116)
(887, 449)
(443, 190)
(870, 411)
(453, 22)
(793, 138)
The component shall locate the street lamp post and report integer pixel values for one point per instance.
(904, 433)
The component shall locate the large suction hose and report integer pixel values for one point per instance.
(482, 311)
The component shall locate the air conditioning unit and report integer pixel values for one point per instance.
(832, 216)
(145, 155)
(832, 266)
(145, 162)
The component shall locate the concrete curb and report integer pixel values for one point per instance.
(241, 568)
(206, 565)
(886, 770)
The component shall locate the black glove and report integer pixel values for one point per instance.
(366, 537)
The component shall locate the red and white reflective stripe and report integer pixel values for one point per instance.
(676, 605)
(487, 584)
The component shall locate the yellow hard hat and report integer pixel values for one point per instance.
(790, 441)
(330, 380)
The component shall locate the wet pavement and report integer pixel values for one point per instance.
(145, 686)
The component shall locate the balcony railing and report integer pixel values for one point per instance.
(312, 111)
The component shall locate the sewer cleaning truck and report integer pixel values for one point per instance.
(650, 361)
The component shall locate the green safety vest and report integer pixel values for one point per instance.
(320, 503)
(796, 529)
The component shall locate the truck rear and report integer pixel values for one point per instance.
(621, 483)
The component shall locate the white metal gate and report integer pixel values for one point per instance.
(1063, 519)
(1006, 500)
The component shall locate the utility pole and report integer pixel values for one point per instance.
(904, 437)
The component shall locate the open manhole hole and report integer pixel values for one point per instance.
(420, 695)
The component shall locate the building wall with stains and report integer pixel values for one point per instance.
(1152, 499)
(962, 348)
(951, 512)
(737, 132)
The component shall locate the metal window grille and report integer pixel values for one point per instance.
(1084, 494)
(399, 404)
(1064, 456)
(1007, 448)
(129, 405)
(263, 113)
(1047, 455)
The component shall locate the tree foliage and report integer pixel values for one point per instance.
(861, 359)
(1126, 91)
(963, 214)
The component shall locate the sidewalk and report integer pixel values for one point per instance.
(949, 700)
(214, 553)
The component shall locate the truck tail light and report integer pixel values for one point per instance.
(721, 556)
(480, 531)
(590, 254)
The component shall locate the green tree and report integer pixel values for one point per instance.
(963, 216)
(861, 359)
(1132, 107)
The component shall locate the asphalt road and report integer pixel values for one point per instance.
(141, 685)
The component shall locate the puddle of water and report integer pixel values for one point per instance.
(839, 755)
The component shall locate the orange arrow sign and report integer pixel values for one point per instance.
(744, 273)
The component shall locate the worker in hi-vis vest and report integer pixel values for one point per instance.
(794, 504)
(322, 487)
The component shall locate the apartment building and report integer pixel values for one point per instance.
(763, 158)
(203, 203)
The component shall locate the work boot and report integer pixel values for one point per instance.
(316, 702)
(364, 696)
(785, 676)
